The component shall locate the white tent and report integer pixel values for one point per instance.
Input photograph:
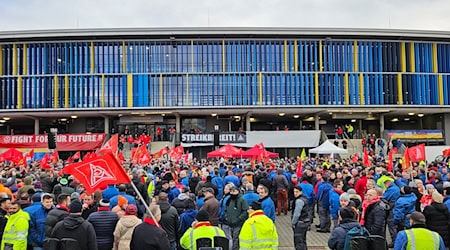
(328, 148)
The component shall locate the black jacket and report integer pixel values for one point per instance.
(75, 227)
(104, 223)
(169, 220)
(146, 236)
(54, 216)
(86, 212)
(375, 218)
(3, 221)
(436, 216)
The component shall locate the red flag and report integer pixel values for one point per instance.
(76, 156)
(30, 154)
(405, 160)
(111, 144)
(145, 158)
(44, 162)
(54, 157)
(120, 157)
(299, 171)
(446, 152)
(355, 158)
(98, 171)
(417, 153)
(89, 155)
(366, 160)
(390, 164)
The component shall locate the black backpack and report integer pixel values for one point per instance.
(63, 243)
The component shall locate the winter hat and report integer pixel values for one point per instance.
(75, 196)
(346, 213)
(104, 203)
(63, 181)
(256, 205)
(344, 197)
(36, 197)
(131, 210)
(121, 200)
(202, 215)
(210, 190)
(351, 191)
(428, 186)
(437, 197)
(75, 207)
(407, 190)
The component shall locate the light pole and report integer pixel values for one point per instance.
(216, 136)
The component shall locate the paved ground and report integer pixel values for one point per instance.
(285, 237)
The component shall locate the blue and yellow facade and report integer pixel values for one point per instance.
(175, 69)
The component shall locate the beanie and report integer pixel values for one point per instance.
(344, 197)
(131, 210)
(75, 207)
(36, 197)
(202, 215)
(103, 203)
(346, 213)
(75, 196)
(121, 200)
(351, 191)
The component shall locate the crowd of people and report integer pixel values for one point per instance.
(225, 202)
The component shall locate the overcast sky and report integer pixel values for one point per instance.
(72, 14)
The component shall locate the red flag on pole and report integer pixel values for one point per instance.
(111, 145)
(405, 160)
(299, 171)
(76, 156)
(98, 171)
(366, 160)
(355, 158)
(417, 153)
(390, 164)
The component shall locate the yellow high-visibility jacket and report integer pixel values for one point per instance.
(258, 232)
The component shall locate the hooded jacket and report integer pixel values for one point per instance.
(236, 211)
(178, 202)
(437, 219)
(75, 227)
(169, 220)
(186, 219)
(124, 231)
(339, 233)
(403, 206)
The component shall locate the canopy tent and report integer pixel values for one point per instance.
(11, 154)
(259, 151)
(227, 151)
(328, 148)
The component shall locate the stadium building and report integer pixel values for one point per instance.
(248, 81)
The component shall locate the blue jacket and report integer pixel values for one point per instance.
(218, 181)
(334, 204)
(38, 214)
(402, 240)
(186, 219)
(404, 205)
(339, 233)
(323, 194)
(308, 192)
(392, 193)
(200, 201)
(104, 223)
(231, 179)
(222, 206)
(250, 197)
(114, 200)
(185, 181)
(173, 193)
(110, 192)
(447, 202)
(268, 208)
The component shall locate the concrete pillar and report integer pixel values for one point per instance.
(107, 125)
(381, 125)
(247, 122)
(36, 126)
(446, 128)
(300, 123)
(316, 122)
(177, 127)
(360, 126)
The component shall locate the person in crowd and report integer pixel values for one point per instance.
(418, 237)
(173, 191)
(235, 216)
(258, 231)
(110, 192)
(122, 192)
(188, 216)
(301, 218)
(58, 213)
(201, 228)
(77, 232)
(267, 204)
(404, 206)
(347, 221)
(38, 212)
(104, 222)
(63, 187)
(16, 229)
(437, 217)
(89, 206)
(355, 198)
(323, 200)
(169, 220)
(249, 195)
(148, 234)
(179, 202)
(335, 197)
(447, 195)
(281, 186)
(211, 206)
(223, 201)
(374, 213)
(391, 194)
(122, 204)
(218, 182)
(124, 228)
(5, 203)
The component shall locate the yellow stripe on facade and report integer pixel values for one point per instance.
(103, 91)
(92, 58)
(295, 56)
(66, 91)
(412, 58)
(25, 60)
(355, 56)
(1, 60)
(440, 90)
(403, 56)
(400, 89)
(19, 92)
(14, 60)
(320, 56)
(346, 92)
(285, 56)
(223, 56)
(187, 90)
(124, 58)
(260, 81)
(129, 90)
(192, 55)
(316, 88)
(435, 61)
(161, 99)
(361, 89)
(56, 92)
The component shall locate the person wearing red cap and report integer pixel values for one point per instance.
(124, 228)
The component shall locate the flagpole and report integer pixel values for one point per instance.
(145, 203)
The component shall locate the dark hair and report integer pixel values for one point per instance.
(189, 204)
(299, 188)
(62, 198)
(337, 182)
